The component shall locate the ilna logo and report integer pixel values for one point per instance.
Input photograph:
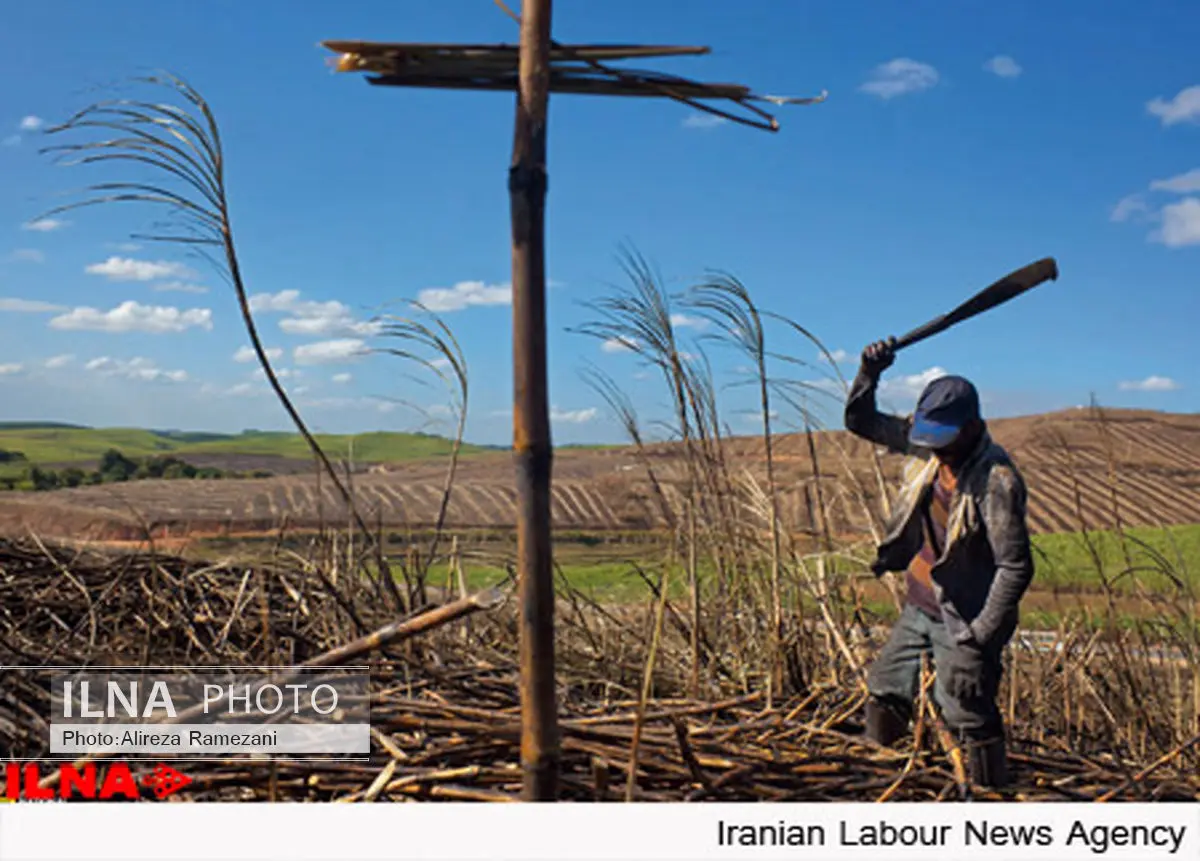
(117, 781)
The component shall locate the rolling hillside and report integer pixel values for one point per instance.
(60, 445)
(1142, 467)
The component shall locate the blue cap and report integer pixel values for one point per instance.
(946, 406)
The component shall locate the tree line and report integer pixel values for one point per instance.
(113, 467)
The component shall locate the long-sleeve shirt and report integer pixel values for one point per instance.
(986, 563)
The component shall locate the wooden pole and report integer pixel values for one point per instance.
(489, 67)
(532, 450)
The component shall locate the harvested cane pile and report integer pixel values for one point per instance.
(445, 710)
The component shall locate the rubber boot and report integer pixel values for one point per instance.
(886, 721)
(987, 760)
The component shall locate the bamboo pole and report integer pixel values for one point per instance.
(531, 411)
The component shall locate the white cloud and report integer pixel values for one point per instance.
(128, 269)
(464, 294)
(281, 373)
(342, 378)
(1129, 206)
(577, 417)
(1179, 221)
(238, 389)
(619, 345)
(344, 404)
(178, 287)
(1184, 183)
(441, 363)
(139, 368)
(683, 320)
(11, 368)
(834, 387)
(703, 121)
(1150, 384)
(330, 403)
(331, 325)
(132, 316)
(234, 391)
(60, 361)
(312, 318)
(1003, 66)
(329, 352)
(898, 77)
(1183, 108)
(284, 300)
(27, 124)
(44, 225)
(246, 353)
(755, 416)
(29, 306)
(910, 387)
(838, 356)
(1180, 224)
(27, 255)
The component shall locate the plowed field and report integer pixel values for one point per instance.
(1143, 466)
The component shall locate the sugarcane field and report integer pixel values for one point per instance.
(839, 446)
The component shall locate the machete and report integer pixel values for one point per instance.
(1008, 287)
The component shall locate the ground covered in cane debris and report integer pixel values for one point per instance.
(445, 704)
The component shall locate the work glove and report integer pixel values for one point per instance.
(878, 357)
(965, 673)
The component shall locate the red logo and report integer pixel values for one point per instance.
(23, 782)
(165, 781)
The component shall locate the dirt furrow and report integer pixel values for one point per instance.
(588, 501)
(1096, 498)
(1178, 506)
(396, 508)
(428, 501)
(1098, 492)
(609, 516)
(1054, 500)
(468, 498)
(575, 498)
(1167, 450)
(570, 513)
(560, 513)
(1039, 522)
(505, 506)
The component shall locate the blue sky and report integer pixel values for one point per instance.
(959, 141)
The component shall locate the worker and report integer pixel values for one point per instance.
(958, 531)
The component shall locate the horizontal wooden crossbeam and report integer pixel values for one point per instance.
(585, 83)
(577, 69)
(385, 57)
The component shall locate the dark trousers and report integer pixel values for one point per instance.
(896, 674)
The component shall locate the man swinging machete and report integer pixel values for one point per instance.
(959, 532)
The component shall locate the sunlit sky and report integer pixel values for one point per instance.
(958, 142)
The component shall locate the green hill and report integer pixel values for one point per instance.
(38, 425)
(376, 446)
(58, 444)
